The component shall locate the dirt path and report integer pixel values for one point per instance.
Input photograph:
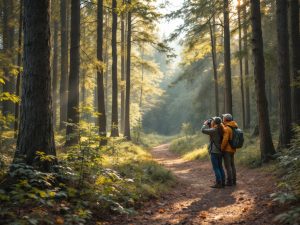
(192, 201)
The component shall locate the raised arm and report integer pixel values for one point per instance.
(206, 130)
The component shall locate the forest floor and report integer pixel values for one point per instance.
(192, 201)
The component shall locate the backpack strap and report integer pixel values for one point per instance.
(232, 128)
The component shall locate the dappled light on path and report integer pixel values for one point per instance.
(192, 201)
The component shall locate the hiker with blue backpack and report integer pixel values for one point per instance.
(232, 139)
(214, 128)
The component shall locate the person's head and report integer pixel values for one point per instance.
(216, 121)
(227, 117)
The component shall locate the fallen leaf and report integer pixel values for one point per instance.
(203, 215)
(161, 210)
(245, 209)
(59, 220)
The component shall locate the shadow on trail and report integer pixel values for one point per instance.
(216, 198)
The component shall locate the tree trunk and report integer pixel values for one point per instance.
(83, 75)
(214, 60)
(295, 47)
(128, 70)
(36, 125)
(101, 100)
(266, 143)
(241, 63)
(64, 64)
(106, 60)
(8, 49)
(285, 116)
(73, 93)
(17, 105)
(227, 59)
(114, 109)
(55, 71)
(246, 62)
(122, 70)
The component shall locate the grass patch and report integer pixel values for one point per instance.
(191, 147)
(183, 145)
(197, 154)
(249, 154)
(152, 139)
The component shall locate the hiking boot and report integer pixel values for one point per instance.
(217, 185)
(223, 183)
(229, 183)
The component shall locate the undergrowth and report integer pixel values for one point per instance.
(186, 144)
(88, 185)
(289, 194)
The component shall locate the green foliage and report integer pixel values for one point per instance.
(5, 96)
(7, 142)
(289, 194)
(89, 181)
(182, 145)
(249, 155)
(32, 190)
(290, 217)
(187, 130)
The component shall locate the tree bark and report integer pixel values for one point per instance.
(8, 49)
(227, 59)
(83, 75)
(114, 110)
(64, 64)
(285, 117)
(17, 105)
(241, 64)
(100, 74)
(73, 93)
(266, 143)
(122, 70)
(246, 62)
(36, 124)
(128, 76)
(214, 60)
(106, 60)
(55, 71)
(295, 47)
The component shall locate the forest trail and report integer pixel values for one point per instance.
(192, 201)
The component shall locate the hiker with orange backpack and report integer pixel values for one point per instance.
(232, 139)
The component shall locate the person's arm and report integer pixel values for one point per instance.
(225, 139)
(206, 130)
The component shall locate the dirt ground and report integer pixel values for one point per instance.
(192, 201)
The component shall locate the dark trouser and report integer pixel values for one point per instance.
(230, 167)
(216, 160)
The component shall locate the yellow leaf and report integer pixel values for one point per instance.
(59, 220)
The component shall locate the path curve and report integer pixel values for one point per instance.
(192, 201)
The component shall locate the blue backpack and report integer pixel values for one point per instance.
(237, 140)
